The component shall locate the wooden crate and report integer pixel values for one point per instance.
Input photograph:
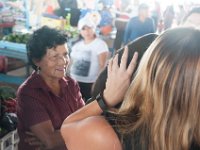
(10, 141)
(6, 142)
(54, 23)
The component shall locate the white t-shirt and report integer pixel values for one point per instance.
(85, 62)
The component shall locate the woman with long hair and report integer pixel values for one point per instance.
(160, 108)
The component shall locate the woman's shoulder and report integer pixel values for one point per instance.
(29, 83)
(100, 44)
(78, 43)
(96, 134)
(99, 40)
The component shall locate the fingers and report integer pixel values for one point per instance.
(35, 143)
(124, 58)
(30, 133)
(110, 67)
(133, 63)
(113, 63)
(29, 139)
(115, 66)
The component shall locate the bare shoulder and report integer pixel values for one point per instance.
(93, 133)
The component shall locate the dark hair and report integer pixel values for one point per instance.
(41, 40)
(195, 10)
(140, 44)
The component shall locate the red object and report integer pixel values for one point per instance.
(7, 25)
(105, 30)
(10, 105)
(50, 10)
(3, 64)
(37, 103)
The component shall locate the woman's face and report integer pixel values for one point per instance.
(54, 63)
(87, 33)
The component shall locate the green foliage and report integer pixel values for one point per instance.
(17, 38)
(7, 92)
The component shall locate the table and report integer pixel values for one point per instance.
(7, 25)
(14, 50)
(9, 141)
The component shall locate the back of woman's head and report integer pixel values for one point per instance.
(140, 45)
(164, 98)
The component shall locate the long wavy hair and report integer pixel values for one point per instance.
(162, 106)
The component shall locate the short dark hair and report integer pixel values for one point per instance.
(140, 44)
(195, 10)
(41, 40)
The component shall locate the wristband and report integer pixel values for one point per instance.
(101, 102)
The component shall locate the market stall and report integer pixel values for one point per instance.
(8, 119)
(14, 50)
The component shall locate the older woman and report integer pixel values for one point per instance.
(48, 96)
(161, 108)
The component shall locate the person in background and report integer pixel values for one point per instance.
(66, 5)
(168, 17)
(160, 26)
(139, 25)
(140, 45)
(156, 14)
(48, 95)
(180, 14)
(89, 57)
(106, 21)
(158, 109)
(192, 18)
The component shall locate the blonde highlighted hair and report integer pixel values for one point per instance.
(163, 101)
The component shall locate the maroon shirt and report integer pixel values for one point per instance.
(37, 103)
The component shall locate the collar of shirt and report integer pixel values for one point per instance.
(38, 82)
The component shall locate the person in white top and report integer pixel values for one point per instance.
(89, 57)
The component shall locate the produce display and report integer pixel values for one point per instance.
(8, 117)
(16, 38)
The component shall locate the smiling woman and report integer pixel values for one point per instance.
(54, 63)
(48, 96)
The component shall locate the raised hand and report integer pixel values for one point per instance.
(119, 78)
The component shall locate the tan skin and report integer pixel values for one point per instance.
(96, 132)
(53, 67)
(143, 14)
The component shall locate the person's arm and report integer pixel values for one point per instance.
(37, 120)
(93, 133)
(45, 132)
(102, 60)
(118, 81)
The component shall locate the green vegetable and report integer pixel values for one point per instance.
(7, 92)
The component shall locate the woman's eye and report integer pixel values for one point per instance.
(66, 55)
(54, 56)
